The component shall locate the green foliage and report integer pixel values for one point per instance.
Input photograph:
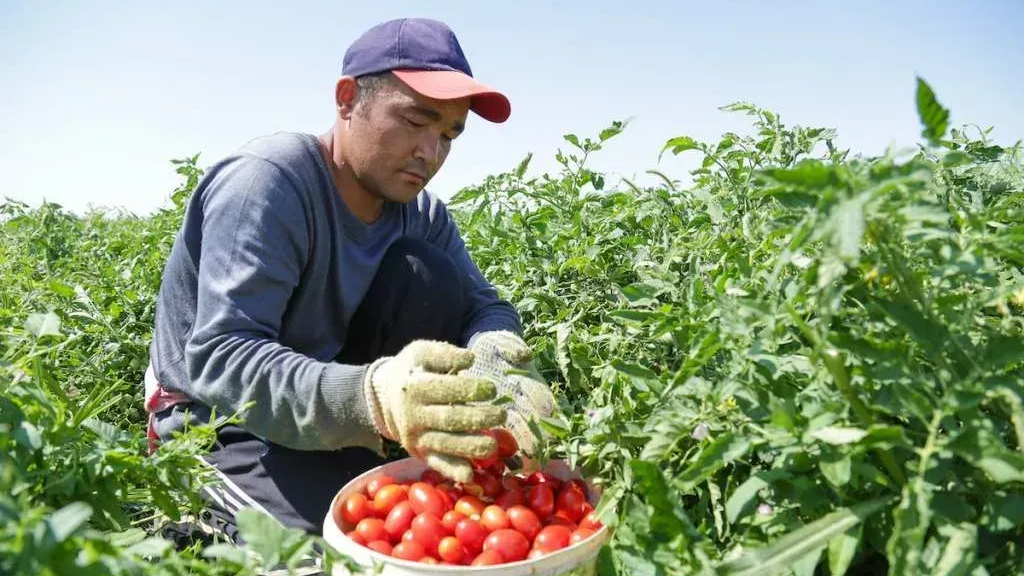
(803, 361)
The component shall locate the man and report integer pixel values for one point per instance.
(317, 278)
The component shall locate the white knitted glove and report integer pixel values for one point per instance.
(497, 352)
(417, 399)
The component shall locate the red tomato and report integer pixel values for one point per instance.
(451, 550)
(541, 499)
(381, 546)
(408, 551)
(386, 499)
(428, 560)
(377, 483)
(507, 445)
(488, 483)
(591, 522)
(570, 502)
(510, 498)
(370, 529)
(559, 519)
(494, 518)
(432, 477)
(428, 531)
(489, 558)
(469, 506)
(399, 519)
(510, 482)
(472, 534)
(549, 480)
(511, 544)
(451, 519)
(579, 535)
(425, 498)
(355, 537)
(352, 510)
(552, 538)
(524, 520)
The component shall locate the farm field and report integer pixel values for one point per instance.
(803, 362)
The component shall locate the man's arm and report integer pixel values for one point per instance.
(254, 246)
(485, 309)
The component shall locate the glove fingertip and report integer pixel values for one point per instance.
(457, 469)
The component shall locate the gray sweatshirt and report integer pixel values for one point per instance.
(261, 282)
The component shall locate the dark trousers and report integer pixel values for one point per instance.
(416, 294)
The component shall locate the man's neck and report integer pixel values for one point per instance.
(365, 207)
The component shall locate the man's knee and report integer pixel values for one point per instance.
(424, 268)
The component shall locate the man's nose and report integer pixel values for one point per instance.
(427, 147)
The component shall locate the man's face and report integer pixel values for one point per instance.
(398, 139)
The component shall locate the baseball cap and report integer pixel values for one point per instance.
(424, 54)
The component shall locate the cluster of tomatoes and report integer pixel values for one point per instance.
(498, 518)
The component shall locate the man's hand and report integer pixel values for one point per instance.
(497, 352)
(417, 399)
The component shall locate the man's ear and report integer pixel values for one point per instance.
(345, 92)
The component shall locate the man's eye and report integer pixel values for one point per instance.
(412, 123)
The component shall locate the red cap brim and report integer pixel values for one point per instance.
(447, 85)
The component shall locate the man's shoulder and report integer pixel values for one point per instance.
(283, 149)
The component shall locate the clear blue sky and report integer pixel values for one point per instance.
(97, 97)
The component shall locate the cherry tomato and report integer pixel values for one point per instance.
(408, 551)
(469, 506)
(494, 518)
(487, 482)
(551, 538)
(510, 482)
(507, 445)
(559, 519)
(510, 498)
(488, 558)
(590, 521)
(352, 510)
(377, 483)
(472, 534)
(579, 535)
(524, 520)
(381, 546)
(355, 537)
(386, 499)
(399, 519)
(451, 519)
(425, 498)
(370, 529)
(432, 477)
(549, 480)
(570, 502)
(541, 499)
(428, 560)
(428, 531)
(451, 550)
(511, 544)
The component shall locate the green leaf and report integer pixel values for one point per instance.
(849, 228)
(838, 435)
(43, 325)
(842, 548)
(784, 551)
(809, 174)
(65, 522)
(681, 144)
(723, 451)
(933, 115)
(744, 496)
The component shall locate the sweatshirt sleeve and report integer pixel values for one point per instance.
(255, 243)
(485, 309)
